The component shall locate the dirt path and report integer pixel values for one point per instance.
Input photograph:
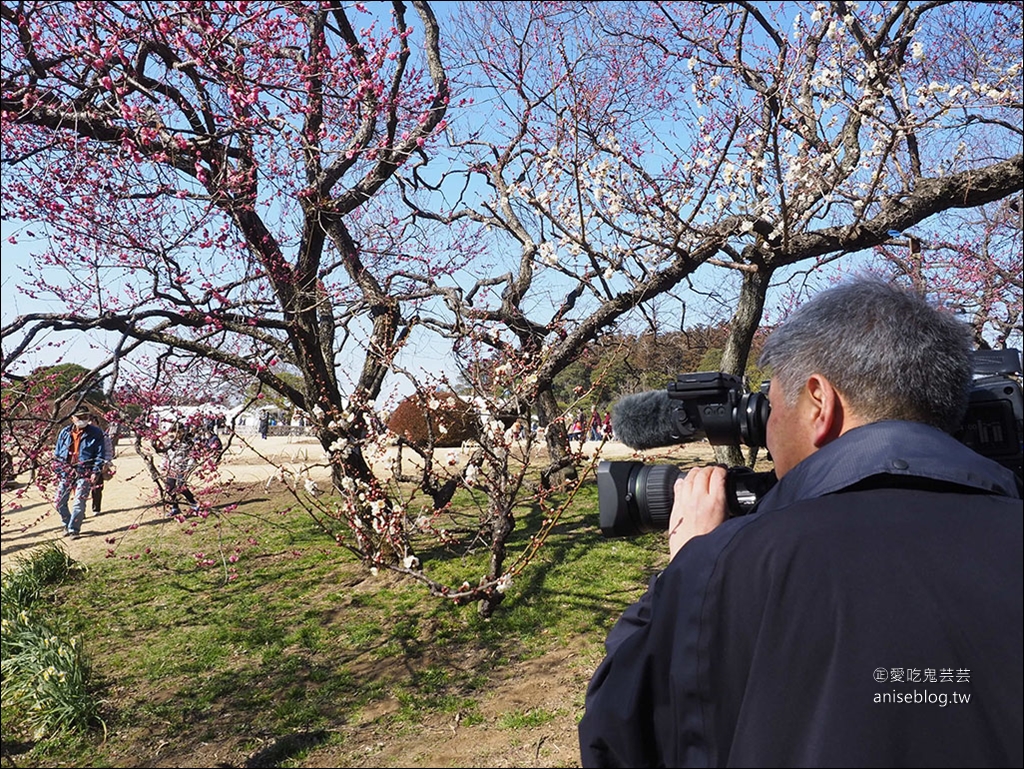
(131, 501)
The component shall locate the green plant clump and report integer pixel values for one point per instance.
(45, 684)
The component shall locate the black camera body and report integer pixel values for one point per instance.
(636, 498)
(716, 403)
(994, 424)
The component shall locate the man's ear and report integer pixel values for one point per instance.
(827, 415)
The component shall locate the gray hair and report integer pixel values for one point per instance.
(889, 352)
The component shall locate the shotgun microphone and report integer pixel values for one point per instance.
(650, 420)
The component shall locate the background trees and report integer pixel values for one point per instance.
(309, 188)
(200, 171)
(975, 267)
(628, 149)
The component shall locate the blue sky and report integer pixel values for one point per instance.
(422, 354)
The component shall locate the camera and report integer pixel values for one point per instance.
(636, 498)
(994, 424)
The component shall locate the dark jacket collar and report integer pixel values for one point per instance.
(891, 448)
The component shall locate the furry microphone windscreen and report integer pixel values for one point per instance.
(650, 420)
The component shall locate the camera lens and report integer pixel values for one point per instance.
(653, 496)
(635, 498)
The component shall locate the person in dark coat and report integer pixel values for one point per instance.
(868, 612)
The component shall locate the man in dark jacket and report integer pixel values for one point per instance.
(869, 611)
(79, 456)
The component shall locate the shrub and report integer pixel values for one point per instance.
(441, 419)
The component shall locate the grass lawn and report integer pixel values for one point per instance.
(304, 658)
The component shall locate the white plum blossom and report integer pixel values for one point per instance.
(548, 254)
(411, 562)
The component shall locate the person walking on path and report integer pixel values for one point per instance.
(79, 456)
(105, 474)
(179, 460)
(595, 424)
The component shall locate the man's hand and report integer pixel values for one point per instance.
(699, 506)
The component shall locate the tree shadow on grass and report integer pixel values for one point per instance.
(285, 747)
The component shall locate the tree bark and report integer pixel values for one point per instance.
(745, 322)
(560, 466)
